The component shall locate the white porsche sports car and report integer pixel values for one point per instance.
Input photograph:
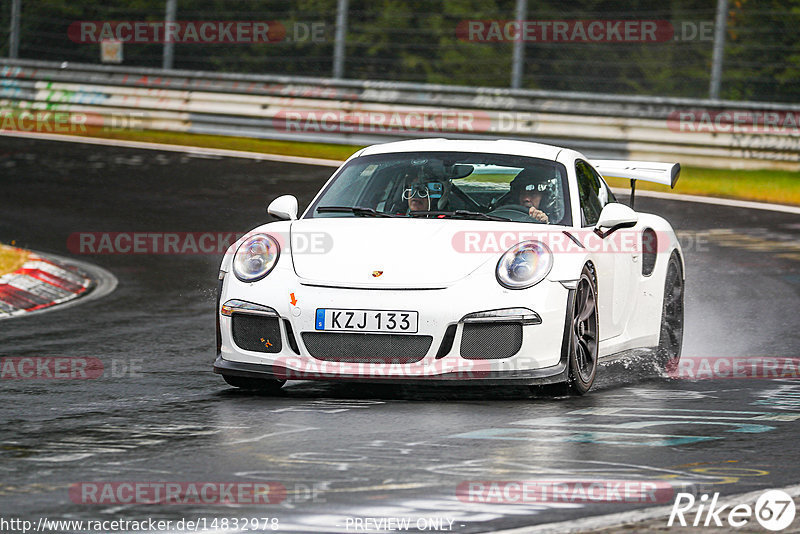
(451, 261)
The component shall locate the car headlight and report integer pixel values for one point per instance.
(255, 258)
(524, 265)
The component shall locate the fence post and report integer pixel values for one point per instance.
(719, 49)
(169, 47)
(518, 54)
(13, 34)
(341, 36)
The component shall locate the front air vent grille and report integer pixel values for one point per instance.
(366, 348)
(256, 332)
(490, 341)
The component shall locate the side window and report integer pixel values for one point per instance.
(604, 193)
(589, 192)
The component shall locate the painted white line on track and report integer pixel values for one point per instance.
(748, 204)
(635, 516)
(200, 151)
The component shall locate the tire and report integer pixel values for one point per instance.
(581, 337)
(583, 334)
(670, 339)
(263, 385)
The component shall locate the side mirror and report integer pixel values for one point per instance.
(615, 216)
(284, 208)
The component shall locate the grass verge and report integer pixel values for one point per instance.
(780, 187)
(11, 258)
(247, 144)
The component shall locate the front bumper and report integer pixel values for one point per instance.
(549, 375)
(540, 359)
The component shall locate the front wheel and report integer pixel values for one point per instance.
(583, 334)
(262, 385)
(581, 339)
(671, 336)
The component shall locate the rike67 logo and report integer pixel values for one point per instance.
(774, 510)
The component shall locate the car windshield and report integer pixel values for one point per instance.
(461, 185)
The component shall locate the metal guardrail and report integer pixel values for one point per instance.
(722, 134)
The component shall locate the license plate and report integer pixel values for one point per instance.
(367, 320)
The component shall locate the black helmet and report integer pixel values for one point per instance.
(545, 180)
(538, 179)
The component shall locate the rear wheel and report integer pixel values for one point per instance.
(671, 336)
(263, 385)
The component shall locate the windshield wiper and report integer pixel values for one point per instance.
(463, 214)
(356, 210)
(479, 215)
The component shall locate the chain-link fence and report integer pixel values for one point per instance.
(647, 48)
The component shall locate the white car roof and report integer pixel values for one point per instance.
(499, 146)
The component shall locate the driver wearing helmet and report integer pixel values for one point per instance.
(530, 189)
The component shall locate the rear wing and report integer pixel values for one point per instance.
(650, 171)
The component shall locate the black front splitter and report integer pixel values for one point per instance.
(547, 375)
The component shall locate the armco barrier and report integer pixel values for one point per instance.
(721, 134)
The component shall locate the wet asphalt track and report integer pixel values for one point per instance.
(366, 450)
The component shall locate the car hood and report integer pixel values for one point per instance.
(383, 253)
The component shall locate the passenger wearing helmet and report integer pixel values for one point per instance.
(530, 188)
(423, 194)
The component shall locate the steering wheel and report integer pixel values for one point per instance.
(515, 212)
